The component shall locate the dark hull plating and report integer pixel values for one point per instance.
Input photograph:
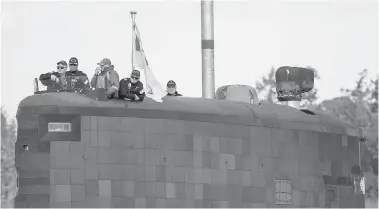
(181, 153)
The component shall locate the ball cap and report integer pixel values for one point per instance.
(135, 73)
(62, 62)
(171, 83)
(73, 60)
(105, 61)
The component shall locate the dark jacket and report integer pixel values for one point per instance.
(112, 84)
(128, 90)
(52, 85)
(77, 80)
(176, 94)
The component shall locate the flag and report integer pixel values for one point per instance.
(154, 89)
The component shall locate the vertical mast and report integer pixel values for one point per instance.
(133, 14)
(207, 49)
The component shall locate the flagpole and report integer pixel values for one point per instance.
(207, 49)
(133, 14)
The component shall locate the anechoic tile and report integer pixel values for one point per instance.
(216, 192)
(119, 202)
(109, 155)
(91, 171)
(214, 160)
(259, 141)
(103, 123)
(175, 174)
(179, 158)
(98, 202)
(215, 145)
(198, 142)
(190, 191)
(218, 176)
(127, 124)
(297, 198)
(127, 173)
(234, 177)
(77, 176)
(160, 173)
(160, 189)
(258, 179)
(76, 148)
(180, 190)
(139, 173)
(90, 154)
(77, 193)
(93, 138)
(54, 205)
(128, 188)
(104, 138)
(150, 189)
(85, 122)
(205, 176)
(161, 203)
(175, 203)
(62, 193)
(60, 176)
(198, 159)
(198, 191)
(110, 172)
(86, 137)
(76, 161)
(105, 188)
(309, 138)
(94, 122)
(150, 173)
(198, 176)
(256, 205)
(139, 189)
(62, 162)
(154, 157)
(91, 187)
(129, 156)
(78, 204)
(59, 148)
(254, 194)
(227, 161)
(170, 190)
(207, 159)
(140, 202)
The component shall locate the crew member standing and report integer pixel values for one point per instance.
(171, 89)
(77, 80)
(55, 81)
(131, 88)
(106, 78)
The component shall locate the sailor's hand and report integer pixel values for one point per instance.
(127, 99)
(136, 97)
(97, 71)
(54, 78)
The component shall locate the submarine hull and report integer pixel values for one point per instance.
(143, 155)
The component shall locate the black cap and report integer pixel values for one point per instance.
(136, 73)
(62, 62)
(73, 60)
(171, 83)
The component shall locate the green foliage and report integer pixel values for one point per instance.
(8, 175)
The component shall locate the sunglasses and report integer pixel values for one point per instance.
(73, 64)
(59, 67)
(135, 78)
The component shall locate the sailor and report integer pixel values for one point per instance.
(106, 78)
(77, 80)
(55, 80)
(131, 88)
(171, 89)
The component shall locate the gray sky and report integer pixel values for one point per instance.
(338, 38)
